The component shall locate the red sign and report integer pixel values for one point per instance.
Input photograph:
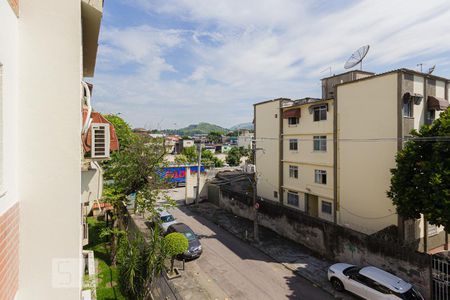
(256, 205)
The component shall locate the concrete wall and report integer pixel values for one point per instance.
(367, 129)
(267, 134)
(49, 126)
(191, 183)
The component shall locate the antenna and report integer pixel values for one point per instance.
(420, 65)
(431, 70)
(357, 57)
(329, 68)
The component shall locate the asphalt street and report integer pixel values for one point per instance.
(229, 268)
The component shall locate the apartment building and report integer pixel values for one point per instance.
(46, 49)
(295, 154)
(374, 115)
(331, 157)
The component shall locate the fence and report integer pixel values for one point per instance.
(163, 290)
(440, 272)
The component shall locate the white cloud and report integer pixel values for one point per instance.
(240, 52)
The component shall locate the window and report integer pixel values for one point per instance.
(292, 198)
(320, 113)
(275, 194)
(320, 143)
(293, 121)
(320, 176)
(431, 116)
(293, 144)
(326, 207)
(293, 171)
(407, 107)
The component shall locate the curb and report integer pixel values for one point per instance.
(249, 242)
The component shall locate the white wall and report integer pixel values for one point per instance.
(49, 149)
(8, 58)
(91, 185)
(191, 183)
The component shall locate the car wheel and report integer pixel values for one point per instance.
(337, 284)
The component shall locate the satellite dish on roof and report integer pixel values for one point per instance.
(431, 70)
(357, 57)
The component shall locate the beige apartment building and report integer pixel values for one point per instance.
(331, 157)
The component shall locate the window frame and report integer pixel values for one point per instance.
(320, 143)
(293, 171)
(408, 108)
(293, 142)
(320, 113)
(330, 207)
(288, 199)
(293, 121)
(320, 176)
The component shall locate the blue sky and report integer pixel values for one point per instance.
(171, 63)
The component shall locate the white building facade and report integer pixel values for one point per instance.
(46, 48)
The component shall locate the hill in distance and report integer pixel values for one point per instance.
(205, 128)
(200, 128)
(248, 126)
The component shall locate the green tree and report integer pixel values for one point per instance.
(215, 137)
(210, 160)
(175, 244)
(234, 156)
(420, 183)
(133, 170)
(123, 130)
(190, 153)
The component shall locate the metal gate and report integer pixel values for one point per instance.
(440, 273)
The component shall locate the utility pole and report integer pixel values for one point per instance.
(255, 203)
(197, 192)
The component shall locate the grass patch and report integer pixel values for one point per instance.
(107, 276)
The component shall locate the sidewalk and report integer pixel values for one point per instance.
(293, 256)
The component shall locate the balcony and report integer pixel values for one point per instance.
(91, 15)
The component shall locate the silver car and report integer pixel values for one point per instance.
(165, 220)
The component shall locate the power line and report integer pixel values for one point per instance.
(362, 217)
(405, 139)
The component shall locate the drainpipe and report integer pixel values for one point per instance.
(87, 122)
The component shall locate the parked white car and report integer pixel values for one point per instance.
(165, 220)
(371, 283)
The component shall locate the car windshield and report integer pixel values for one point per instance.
(189, 235)
(411, 294)
(168, 218)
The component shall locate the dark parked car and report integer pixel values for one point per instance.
(195, 248)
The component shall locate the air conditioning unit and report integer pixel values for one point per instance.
(100, 140)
